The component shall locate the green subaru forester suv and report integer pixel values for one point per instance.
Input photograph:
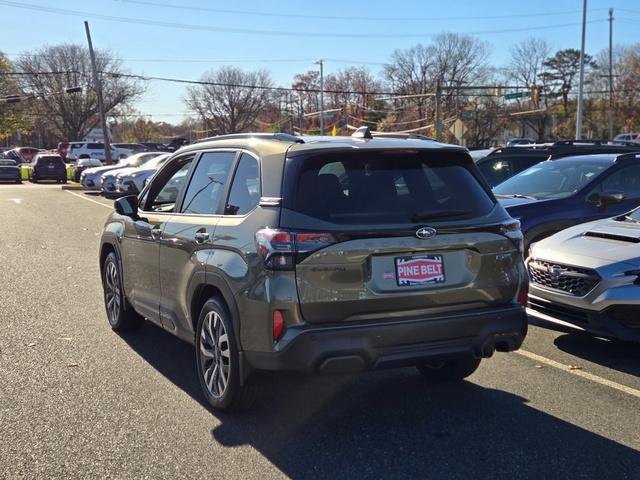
(318, 255)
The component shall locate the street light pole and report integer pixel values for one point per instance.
(98, 88)
(610, 113)
(321, 63)
(581, 86)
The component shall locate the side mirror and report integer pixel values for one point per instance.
(127, 206)
(601, 200)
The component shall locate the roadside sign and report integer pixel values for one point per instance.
(514, 95)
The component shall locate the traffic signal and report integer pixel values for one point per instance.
(534, 94)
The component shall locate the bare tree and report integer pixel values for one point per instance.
(452, 59)
(232, 98)
(353, 90)
(410, 72)
(526, 68)
(73, 115)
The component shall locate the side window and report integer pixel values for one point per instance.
(165, 190)
(625, 180)
(245, 189)
(208, 182)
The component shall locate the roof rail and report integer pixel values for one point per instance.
(578, 142)
(283, 137)
(407, 136)
(629, 156)
(362, 132)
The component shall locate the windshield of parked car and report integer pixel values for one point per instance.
(550, 179)
(89, 162)
(138, 160)
(156, 161)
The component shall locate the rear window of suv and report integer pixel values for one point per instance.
(388, 187)
(52, 160)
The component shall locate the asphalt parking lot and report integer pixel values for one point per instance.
(77, 400)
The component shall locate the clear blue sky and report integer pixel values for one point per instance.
(378, 28)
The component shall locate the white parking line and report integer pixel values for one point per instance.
(16, 200)
(89, 200)
(580, 373)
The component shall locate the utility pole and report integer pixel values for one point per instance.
(321, 63)
(438, 120)
(98, 88)
(610, 113)
(581, 86)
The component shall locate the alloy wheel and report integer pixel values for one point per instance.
(112, 292)
(214, 354)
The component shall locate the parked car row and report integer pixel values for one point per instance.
(125, 177)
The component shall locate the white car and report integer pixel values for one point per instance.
(96, 150)
(91, 178)
(108, 179)
(130, 181)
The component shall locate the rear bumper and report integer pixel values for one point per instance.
(48, 175)
(6, 177)
(349, 348)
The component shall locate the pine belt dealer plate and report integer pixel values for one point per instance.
(419, 270)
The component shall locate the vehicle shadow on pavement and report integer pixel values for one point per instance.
(617, 355)
(393, 424)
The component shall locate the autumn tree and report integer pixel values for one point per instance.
(14, 117)
(230, 99)
(73, 116)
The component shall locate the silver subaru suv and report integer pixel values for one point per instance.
(587, 277)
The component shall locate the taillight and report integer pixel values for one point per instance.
(282, 249)
(278, 325)
(511, 229)
(523, 294)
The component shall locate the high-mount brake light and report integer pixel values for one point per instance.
(282, 249)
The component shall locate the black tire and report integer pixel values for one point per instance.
(64, 180)
(34, 180)
(19, 181)
(453, 370)
(222, 353)
(120, 314)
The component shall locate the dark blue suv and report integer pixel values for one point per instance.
(556, 194)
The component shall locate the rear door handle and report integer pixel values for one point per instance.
(156, 232)
(202, 237)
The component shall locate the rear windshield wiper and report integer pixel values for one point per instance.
(418, 216)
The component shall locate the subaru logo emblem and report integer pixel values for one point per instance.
(554, 271)
(425, 232)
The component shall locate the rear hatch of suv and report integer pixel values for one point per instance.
(396, 233)
(50, 166)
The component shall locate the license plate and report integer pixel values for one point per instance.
(419, 270)
(51, 167)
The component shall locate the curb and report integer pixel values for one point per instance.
(71, 187)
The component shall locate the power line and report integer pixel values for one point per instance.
(345, 17)
(287, 33)
(216, 60)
